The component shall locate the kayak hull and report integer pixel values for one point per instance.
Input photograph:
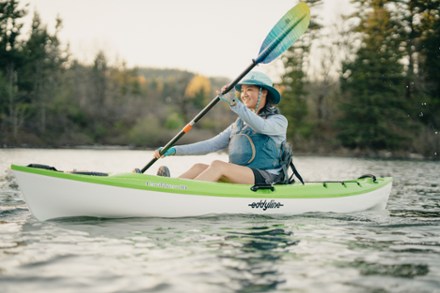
(53, 194)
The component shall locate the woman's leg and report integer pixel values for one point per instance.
(222, 171)
(194, 171)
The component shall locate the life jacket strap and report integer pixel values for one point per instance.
(295, 173)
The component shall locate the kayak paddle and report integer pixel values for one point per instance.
(282, 36)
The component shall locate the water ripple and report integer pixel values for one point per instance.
(397, 250)
(406, 270)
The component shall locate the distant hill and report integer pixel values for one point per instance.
(164, 73)
(170, 74)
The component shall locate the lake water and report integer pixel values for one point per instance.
(397, 250)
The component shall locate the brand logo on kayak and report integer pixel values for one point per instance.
(165, 185)
(264, 204)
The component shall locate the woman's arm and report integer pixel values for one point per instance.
(275, 125)
(218, 142)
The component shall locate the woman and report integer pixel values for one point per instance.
(254, 140)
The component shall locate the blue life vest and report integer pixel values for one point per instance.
(251, 149)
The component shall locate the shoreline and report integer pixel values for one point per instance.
(342, 152)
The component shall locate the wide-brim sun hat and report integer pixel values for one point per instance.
(258, 78)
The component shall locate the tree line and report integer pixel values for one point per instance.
(385, 98)
(377, 91)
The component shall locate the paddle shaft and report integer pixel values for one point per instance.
(199, 116)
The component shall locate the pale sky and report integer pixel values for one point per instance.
(209, 37)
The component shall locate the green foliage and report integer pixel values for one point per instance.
(40, 76)
(387, 97)
(374, 108)
(430, 62)
(13, 106)
(174, 121)
(294, 94)
(294, 105)
(147, 131)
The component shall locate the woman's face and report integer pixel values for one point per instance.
(249, 96)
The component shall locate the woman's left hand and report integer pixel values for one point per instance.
(169, 152)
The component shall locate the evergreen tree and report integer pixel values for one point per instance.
(373, 113)
(419, 21)
(296, 61)
(12, 106)
(430, 62)
(40, 77)
(407, 15)
(294, 105)
(100, 80)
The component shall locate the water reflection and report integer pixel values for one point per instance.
(406, 270)
(361, 252)
(255, 266)
(247, 253)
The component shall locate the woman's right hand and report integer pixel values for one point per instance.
(170, 152)
(229, 98)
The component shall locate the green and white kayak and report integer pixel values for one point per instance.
(53, 194)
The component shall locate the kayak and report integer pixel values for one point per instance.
(52, 194)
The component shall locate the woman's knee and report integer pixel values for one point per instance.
(218, 163)
(199, 167)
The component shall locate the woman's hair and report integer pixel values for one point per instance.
(268, 109)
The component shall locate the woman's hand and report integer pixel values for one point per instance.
(169, 152)
(229, 98)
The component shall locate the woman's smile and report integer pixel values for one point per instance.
(249, 96)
